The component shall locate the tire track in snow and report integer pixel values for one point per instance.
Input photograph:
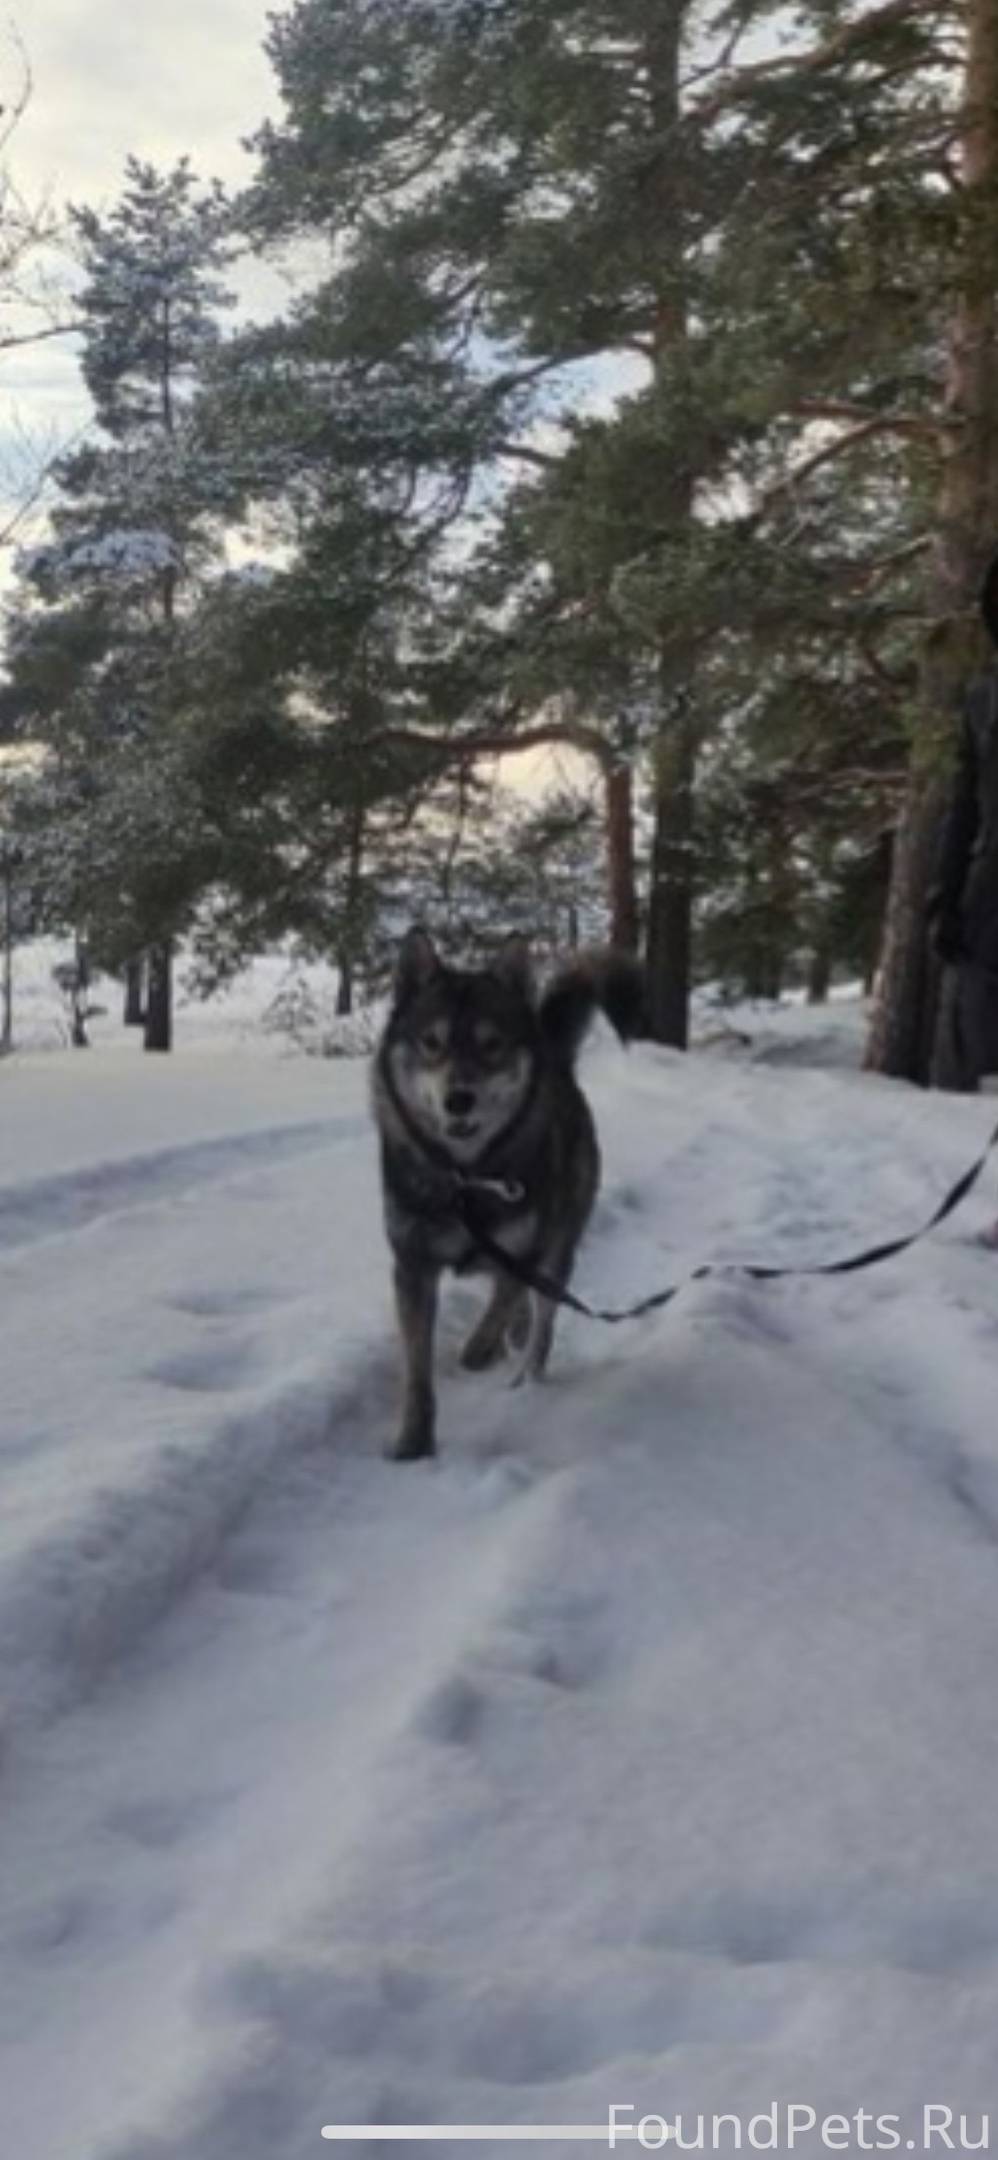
(244, 1746)
(80, 1602)
(57, 1206)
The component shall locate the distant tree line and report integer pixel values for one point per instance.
(638, 396)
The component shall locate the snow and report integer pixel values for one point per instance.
(127, 552)
(642, 1749)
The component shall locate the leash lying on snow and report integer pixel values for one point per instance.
(465, 1188)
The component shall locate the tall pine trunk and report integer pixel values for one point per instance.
(346, 958)
(158, 1018)
(670, 899)
(670, 895)
(159, 999)
(966, 531)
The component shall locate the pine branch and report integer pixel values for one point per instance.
(846, 43)
(876, 424)
(489, 742)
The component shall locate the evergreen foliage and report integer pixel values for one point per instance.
(615, 410)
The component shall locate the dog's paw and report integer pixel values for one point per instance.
(528, 1374)
(480, 1351)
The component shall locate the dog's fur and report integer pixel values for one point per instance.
(475, 1074)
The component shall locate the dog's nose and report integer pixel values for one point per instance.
(459, 1101)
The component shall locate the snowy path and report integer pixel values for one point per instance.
(645, 1748)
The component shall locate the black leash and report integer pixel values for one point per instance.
(535, 1278)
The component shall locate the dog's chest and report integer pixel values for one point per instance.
(432, 1225)
(516, 1234)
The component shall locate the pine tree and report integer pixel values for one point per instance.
(557, 194)
(96, 641)
(517, 176)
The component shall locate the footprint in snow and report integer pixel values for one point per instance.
(456, 1712)
(452, 1713)
(212, 1369)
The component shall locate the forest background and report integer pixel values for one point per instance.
(613, 378)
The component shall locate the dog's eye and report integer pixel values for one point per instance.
(433, 1042)
(489, 1042)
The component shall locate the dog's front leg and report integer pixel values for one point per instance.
(507, 1308)
(556, 1263)
(416, 1297)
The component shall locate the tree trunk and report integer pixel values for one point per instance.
(819, 976)
(350, 942)
(670, 899)
(966, 528)
(344, 987)
(80, 997)
(621, 886)
(901, 1028)
(134, 1013)
(159, 998)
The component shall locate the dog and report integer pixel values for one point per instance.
(483, 1127)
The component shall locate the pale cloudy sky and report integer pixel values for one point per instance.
(153, 77)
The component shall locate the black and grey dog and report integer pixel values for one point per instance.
(484, 1129)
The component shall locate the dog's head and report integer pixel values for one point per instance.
(461, 1043)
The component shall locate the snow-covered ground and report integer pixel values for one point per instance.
(642, 1749)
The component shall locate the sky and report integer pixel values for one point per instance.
(110, 79)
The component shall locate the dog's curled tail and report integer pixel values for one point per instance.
(597, 979)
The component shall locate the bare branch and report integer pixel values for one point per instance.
(528, 455)
(35, 337)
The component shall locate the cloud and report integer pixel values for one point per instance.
(111, 80)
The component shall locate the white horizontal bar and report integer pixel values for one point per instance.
(585, 2133)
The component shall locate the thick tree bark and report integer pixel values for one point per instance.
(966, 530)
(670, 900)
(901, 1028)
(670, 897)
(159, 998)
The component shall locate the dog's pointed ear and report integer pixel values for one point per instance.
(418, 961)
(513, 964)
